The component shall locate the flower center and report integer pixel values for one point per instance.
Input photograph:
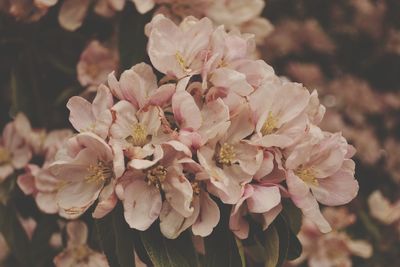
(182, 62)
(99, 173)
(307, 175)
(139, 135)
(156, 176)
(195, 187)
(5, 156)
(81, 253)
(226, 154)
(270, 124)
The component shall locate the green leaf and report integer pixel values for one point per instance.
(292, 215)
(131, 38)
(271, 247)
(289, 246)
(15, 235)
(220, 246)
(6, 188)
(165, 252)
(116, 238)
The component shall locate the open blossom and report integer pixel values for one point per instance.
(14, 152)
(278, 113)
(321, 172)
(140, 189)
(229, 160)
(93, 117)
(86, 168)
(179, 51)
(332, 249)
(77, 252)
(94, 65)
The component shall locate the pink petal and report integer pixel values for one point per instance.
(81, 116)
(47, 202)
(142, 204)
(186, 112)
(143, 6)
(338, 189)
(76, 198)
(163, 95)
(232, 80)
(107, 201)
(178, 192)
(303, 199)
(263, 199)
(102, 101)
(208, 217)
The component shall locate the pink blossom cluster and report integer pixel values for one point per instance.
(335, 248)
(217, 127)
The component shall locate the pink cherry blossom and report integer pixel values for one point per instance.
(278, 113)
(179, 51)
(140, 190)
(229, 161)
(139, 134)
(86, 168)
(94, 65)
(77, 252)
(93, 117)
(14, 152)
(321, 172)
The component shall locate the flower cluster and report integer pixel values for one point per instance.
(335, 248)
(218, 125)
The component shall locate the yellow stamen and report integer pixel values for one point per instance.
(139, 135)
(81, 253)
(270, 124)
(99, 173)
(182, 62)
(156, 176)
(307, 175)
(5, 156)
(226, 154)
(196, 187)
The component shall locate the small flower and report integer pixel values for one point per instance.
(77, 252)
(85, 169)
(93, 117)
(326, 170)
(14, 152)
(95, 63)
(382, 210)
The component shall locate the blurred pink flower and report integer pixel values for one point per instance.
(332, 249)
(384, 211)
(77, 252)
(94, 65)
(14, 152)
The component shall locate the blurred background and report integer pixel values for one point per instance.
(348, 50)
